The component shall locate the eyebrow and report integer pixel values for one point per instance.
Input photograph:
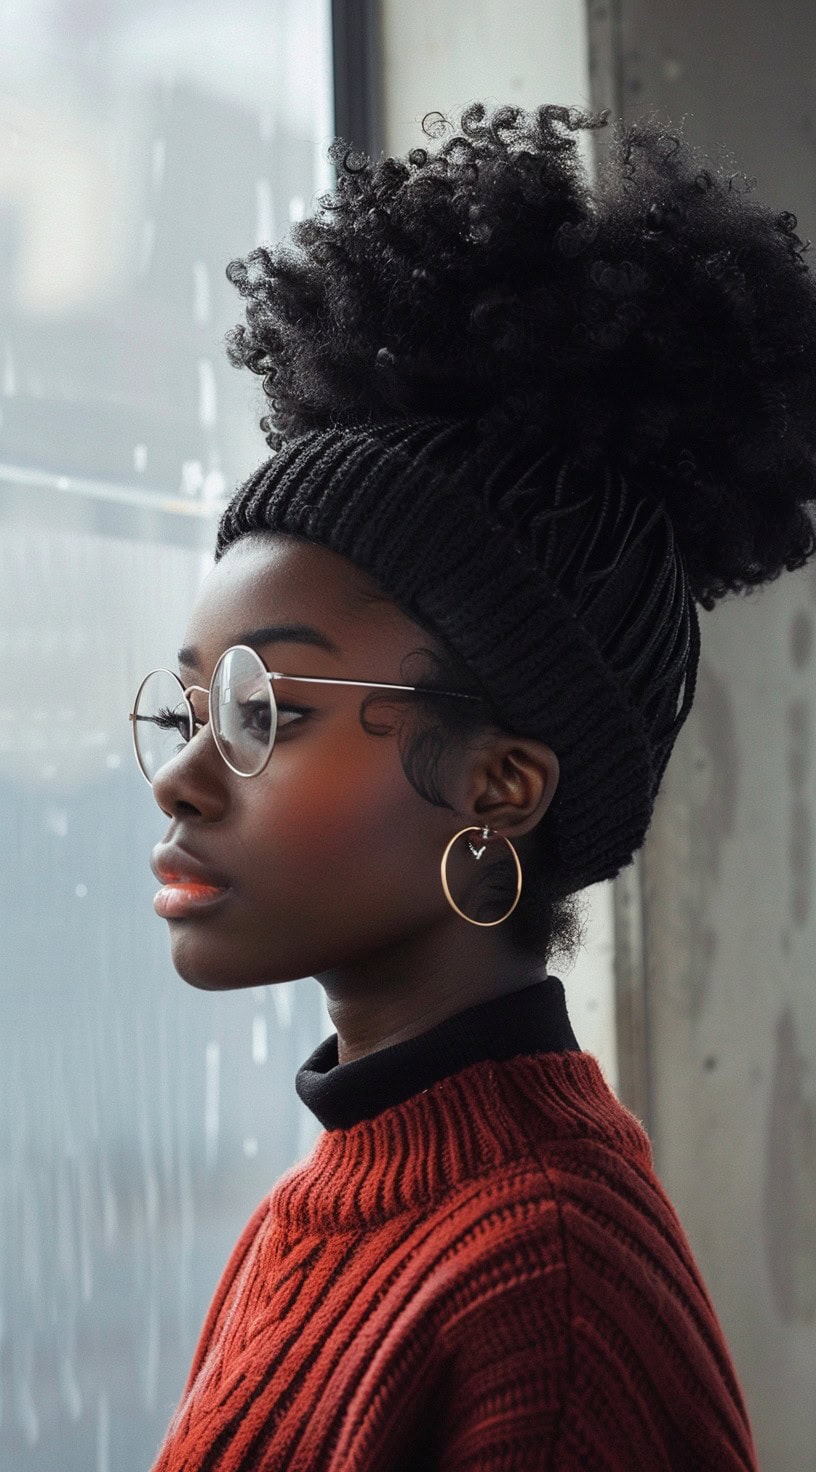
(269, 634)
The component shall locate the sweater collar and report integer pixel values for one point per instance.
(530, 1021)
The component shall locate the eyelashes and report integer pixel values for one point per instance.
(300, 713)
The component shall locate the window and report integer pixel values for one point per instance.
(143, 147)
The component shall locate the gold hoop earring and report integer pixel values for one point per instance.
(477, 854)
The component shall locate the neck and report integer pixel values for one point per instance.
(397, 993)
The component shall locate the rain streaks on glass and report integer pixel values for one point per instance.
(144, 147)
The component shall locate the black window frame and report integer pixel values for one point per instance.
(357, 74)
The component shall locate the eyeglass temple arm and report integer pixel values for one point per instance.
(367, 684)
(361, 684)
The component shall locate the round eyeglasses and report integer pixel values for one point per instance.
(242, 711)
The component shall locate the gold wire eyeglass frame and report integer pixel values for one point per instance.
(271, 675)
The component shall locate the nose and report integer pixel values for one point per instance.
(193, 778)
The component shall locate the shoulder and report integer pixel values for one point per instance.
(572, 1168)
(560, 1208)
(571, 1228)
(582, 1311)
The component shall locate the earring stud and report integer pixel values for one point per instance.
(477, 853)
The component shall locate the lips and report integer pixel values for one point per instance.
(173, 865)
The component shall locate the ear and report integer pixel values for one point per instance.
(511, 783)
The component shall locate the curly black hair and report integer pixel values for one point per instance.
(663, 321)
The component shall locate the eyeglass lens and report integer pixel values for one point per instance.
(243, 708)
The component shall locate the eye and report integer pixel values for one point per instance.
(255, 717)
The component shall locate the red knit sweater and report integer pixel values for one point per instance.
(485, 1276)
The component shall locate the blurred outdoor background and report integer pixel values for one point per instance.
(143, 145)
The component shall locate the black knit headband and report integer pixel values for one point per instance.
(572, 609)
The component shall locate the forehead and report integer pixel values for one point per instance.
(274, 578)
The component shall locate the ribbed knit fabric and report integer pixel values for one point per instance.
(485, 1276)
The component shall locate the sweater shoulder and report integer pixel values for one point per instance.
(580, 1275)
(579, 1217)
(525, 1235)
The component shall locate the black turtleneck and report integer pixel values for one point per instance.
(533, 1020)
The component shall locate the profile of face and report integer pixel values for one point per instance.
(331, 854)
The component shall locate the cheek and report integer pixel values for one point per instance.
(346, 816)
(340, 857)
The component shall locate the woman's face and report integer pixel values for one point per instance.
(330, 852)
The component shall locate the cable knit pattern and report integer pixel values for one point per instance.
(484, 1277)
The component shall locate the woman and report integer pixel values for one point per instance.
(520, 431)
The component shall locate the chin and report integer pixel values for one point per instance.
(202, 967)
(198, 963)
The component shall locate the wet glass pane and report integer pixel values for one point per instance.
(143, 146)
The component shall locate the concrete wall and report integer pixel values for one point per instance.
(728, 883)
(445, 54)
